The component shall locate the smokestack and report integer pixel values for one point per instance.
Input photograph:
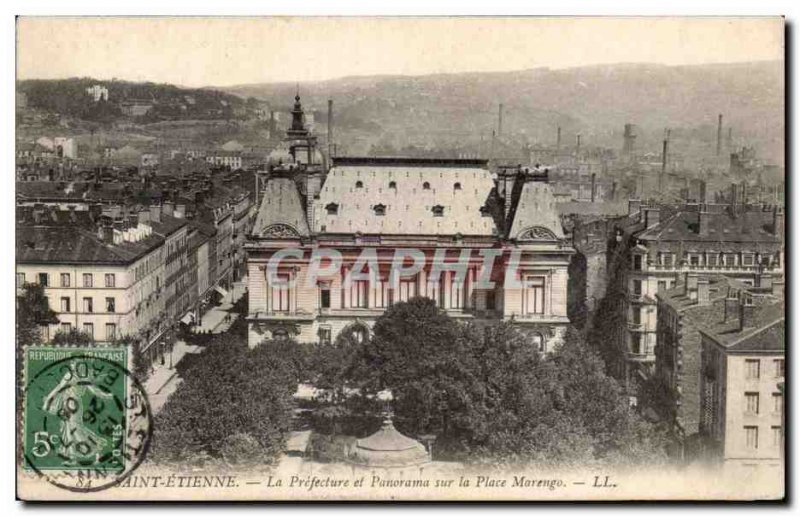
(746, 310)
(663, 163)
(558, 139)
(634, 206)
(777, 222)
(500, 121)
(702, 199)
(702, 220)
(577, 144)
(593, 185)
(330, 126)
(719, 135)
(703, 293)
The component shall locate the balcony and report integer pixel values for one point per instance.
(298, 315)
(637, 327)
(634, 356)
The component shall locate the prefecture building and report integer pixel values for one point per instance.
(380, 205)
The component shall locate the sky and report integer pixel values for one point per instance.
(198, 51)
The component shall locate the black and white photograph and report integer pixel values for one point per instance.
(400, 258)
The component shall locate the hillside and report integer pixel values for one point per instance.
(596, 101)
(68, 97)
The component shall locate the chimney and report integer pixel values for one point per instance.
(613, 191)
(719, 135)
(702, 220)
(594, 184)
(180, 211)
(731, 304)
(500, 121)
(155, 213)
(577, 144)
(702, 199)
(558, 139)
(330, 126)
(144, 217)
(703, 293)
(168, 208)
(634, 206)
(777, 222)
(652, 216)
(690, 285)
(734, 197)
(746, 309)
(663, 162)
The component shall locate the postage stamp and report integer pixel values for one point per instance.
(87, 420)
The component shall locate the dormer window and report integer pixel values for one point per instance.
(485, 212)
(392, 185)
(426, 186)
(438, 210)
(380, 210)
(457, 186)
(359, 184)
(332, 208)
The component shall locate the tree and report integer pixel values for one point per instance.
(231, 388)
(73, 337)
(489, 396)
(32, 313)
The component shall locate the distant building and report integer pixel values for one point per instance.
(742, 377)
(98, 92)
(150, 159)
(136, 108)
(661, 243)
(231, 159)
(65, 147)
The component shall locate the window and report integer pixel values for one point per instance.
(751, 437)
(777, 436)
(111, 305)
(281, 294)
(66, 327)
(20, 279)
(748, 259)
(490, 300)
(457, 186)
(332, 208)
(636, 343)
(637, 288)
(637, 315)
(380, 210)
(777, 403)
(779, 367)
(694, 259)
(752, 369)
(711, 260)
(65, 304)
(533, 297)
(728, 259)
(324, 295)
(637, 262)
(359, 294)
(438, 211)
(43, 279)
(382, 294)
(280, 334)
(407, 289)
(87, 280)
(455, 290)
(325, 335)
(359, 184)
(64, 280)
(666, 259)
(111, 280)
(751, 402)
(392, 185)
(111, 331)
(662, 286)
(426, 186)
(88, 305)
(88, 329)
(538, 342)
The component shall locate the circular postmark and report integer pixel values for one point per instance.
(88, 423)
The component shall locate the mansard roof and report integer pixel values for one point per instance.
(357, 185)
(282, 213)
(536, 216)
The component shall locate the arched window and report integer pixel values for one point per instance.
(359, 184)
(380, 210)
(438, 210)
(426, 186)
(392, 185)
(537, 340)
(457, 186)
(280, 334)
(332, 208)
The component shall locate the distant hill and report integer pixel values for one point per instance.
(595, 101)
(69, 97)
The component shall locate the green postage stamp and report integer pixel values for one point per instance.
(86, 420)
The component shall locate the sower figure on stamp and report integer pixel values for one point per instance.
(77, 441)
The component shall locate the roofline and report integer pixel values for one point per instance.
(726, 347)
(410, 162)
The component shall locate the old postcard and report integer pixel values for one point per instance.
(440, 258)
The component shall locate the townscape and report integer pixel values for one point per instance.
(566, 294)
